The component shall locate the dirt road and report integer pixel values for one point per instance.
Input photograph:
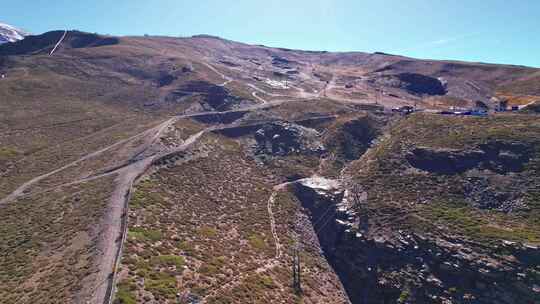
(58, 43)
(115, 224)
(271, 202)
(225, 77)
(21, 189)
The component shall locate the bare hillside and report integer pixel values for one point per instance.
(203, 170)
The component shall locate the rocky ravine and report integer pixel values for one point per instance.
(389, 263)
(373, 270)
(395, 262)
(435, 209)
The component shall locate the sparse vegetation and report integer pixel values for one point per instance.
(404, 296)
(145, 235)
(161, 285)
(220, 232)
(257, 242)
(198, 222)
(167, 260)
(63, 220)
(398, 192)
(6, 153)
(125, 294)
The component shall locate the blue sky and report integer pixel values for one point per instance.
(474, 30)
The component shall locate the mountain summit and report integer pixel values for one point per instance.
(9, 33)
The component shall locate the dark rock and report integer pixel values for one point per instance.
(220, 118)
(358, 135)
(497, 156)
(378, 269)
(421, 84)
(444, 161)
(280, 75)
(166, 80)
(506, 157)
(276, 60)
(176, 96)
(229, 63)
(215, 97)
(284, 138)
(282, 63)
(416, 84)
(533, 108)
(487, 191)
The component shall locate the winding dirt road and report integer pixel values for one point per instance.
(275, 261)
(114, 225)
(225, 77)
(21, 189)
(116, 221)
(271, 202)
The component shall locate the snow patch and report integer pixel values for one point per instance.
(320, 183)
(9, 33)
(276, 84)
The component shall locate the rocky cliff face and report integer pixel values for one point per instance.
(416, 84)
(413, 268)
(408, 223)
(286, 138)
(435, 210)
(497, 156)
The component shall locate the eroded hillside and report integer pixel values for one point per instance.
(202, 170)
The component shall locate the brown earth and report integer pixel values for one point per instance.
(142, 168)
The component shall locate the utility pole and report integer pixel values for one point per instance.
(359, 198)
(297, 285)
(297, 270)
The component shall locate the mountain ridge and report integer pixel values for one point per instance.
(202, 170)
(23, 33)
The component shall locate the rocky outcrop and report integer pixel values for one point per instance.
(333, 225)
(230, 64)
(220, 117)
(416, 84)
(498, 156)
(280, 138)
(402, 267)
(216, 98)
(165, 80)
(503, 157)
(489, 190)
(444, 161)
(533, 108)
(282, 63)
(489, 177)
(421, 84)
(353, 137)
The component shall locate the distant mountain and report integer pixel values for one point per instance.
(9, 33)
(133, 169)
